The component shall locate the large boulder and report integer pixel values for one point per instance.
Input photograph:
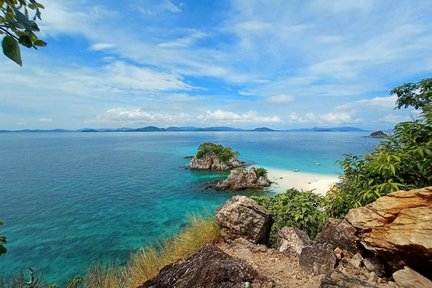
(211, 162)
(398, 227)
(210, 267)
(318, 259)
(240, 179)
(339, 233)
(407, 278)
(242, 217)
(292, 240)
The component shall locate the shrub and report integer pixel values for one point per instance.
(302, 210)
(223, 153)
(259, 171)
(404, 161)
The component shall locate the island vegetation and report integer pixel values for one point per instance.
(222, 153)
(211, 156)
(377, 134)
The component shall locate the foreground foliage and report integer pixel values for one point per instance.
(223, 153)
(146, 263)
(294, 208)
(404, 161)
(19, 27)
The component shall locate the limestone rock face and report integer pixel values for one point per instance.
(292, 240)
(339, 233)
(318, 259)
(398, 227)
(209, 267)
(212, 162)
(407, 278)
(240, 179)
(241, 217)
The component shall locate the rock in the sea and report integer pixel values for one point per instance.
(292, 240)
(377, 134)
(398, 227)
(339, 233)
(212, 162)
(318, 259)
(241, 179)
(210, 267)
(242, 217)
(408, 278)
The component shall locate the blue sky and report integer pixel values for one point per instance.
(239, 63)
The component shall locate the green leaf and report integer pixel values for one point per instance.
(26, 41)
(11, 49)
(40, 43)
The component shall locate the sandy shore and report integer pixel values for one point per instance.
(284, 179)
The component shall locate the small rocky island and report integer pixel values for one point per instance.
(242, 179)
(215, 157)
(377, 134)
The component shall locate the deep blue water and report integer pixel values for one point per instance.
(71, 199)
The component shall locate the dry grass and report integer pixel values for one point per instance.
(147, 262)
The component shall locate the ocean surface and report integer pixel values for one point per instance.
(72, 199)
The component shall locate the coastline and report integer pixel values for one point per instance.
(285, 179)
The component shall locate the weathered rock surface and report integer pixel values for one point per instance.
(212, 162)
(399, 228)
(292, 240)
(318, 259)
(408, 278)
(209, 267)
(339, 233)
(242, 217)
(240, 179)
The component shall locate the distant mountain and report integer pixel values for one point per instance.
(263, 129)
(197, 129)
(332, 129)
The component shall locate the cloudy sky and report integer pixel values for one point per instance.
(240, 63)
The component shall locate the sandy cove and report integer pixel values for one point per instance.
(284, 179)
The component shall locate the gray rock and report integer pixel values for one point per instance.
(339, 234)
(374, 265)
(337, 279)
(210, 267)
(318, 259)
(408, 278)
(242, 217)
(292, 240)
(212, 162)
(240, 179)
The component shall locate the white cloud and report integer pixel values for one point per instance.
(45, 120)
(184, 41)
(326, 118)
(230, 117)
(279, 99)
(101, 46)
(137, 115)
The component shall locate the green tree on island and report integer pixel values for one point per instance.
(18, 25)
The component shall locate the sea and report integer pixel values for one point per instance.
(69, 200)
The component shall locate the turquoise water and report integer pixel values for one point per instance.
(71, 199)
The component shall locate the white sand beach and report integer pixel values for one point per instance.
(285, 179)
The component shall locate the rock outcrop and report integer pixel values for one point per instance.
(398, 227)
(242, 217)
(210, 267)
(211, 162)
(241, 179)
(292, 240)
(339, 233)
(377, 134)
(318, 259)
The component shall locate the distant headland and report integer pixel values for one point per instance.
(189, 129)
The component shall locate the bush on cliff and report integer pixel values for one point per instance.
(223, 153)
(259, 171)
(298, 209)
(404, 161)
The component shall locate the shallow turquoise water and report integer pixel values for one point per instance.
(70, 199)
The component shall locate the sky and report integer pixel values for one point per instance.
(241, 63)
